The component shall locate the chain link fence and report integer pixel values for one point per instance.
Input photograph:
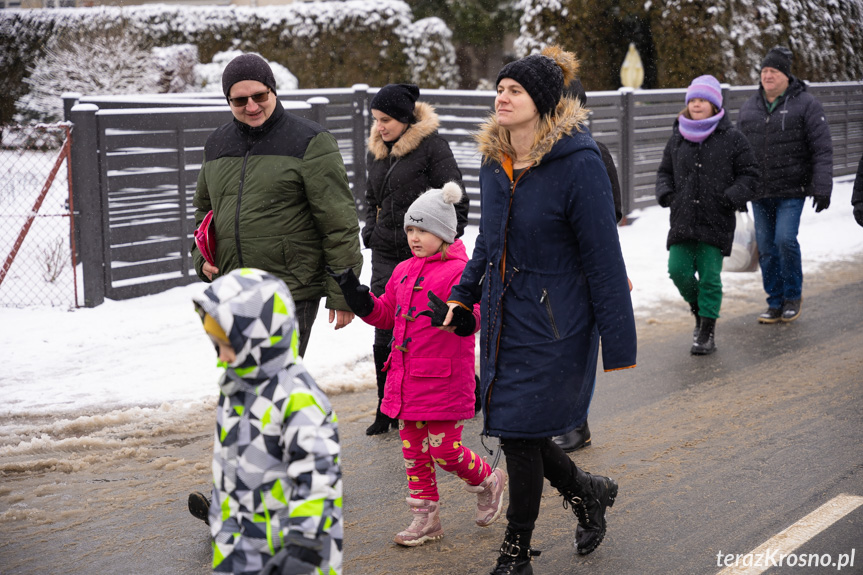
(37, 259)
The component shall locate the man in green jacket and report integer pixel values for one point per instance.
(279, 193)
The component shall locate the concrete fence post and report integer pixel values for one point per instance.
(69, 100)
(359, 133)
(627, 148)
(184, 230)
(319, 109)
(86, 194)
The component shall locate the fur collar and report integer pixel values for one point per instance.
(569, 116)
(427, 124)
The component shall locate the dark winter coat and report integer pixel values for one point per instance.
(420, 160)
(792, 144)
(857, 193)
(611, 170)
(575, 89)
(705, 183)
(281, 203)
(564, 286)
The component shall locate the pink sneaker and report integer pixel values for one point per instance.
(489, 497)
(425, 526)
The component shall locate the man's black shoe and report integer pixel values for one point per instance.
(790, 309)
(199, 506)
(575, 439)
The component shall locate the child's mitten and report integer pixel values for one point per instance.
(462, 320)
(356, 294)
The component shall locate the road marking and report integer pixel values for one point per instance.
(799, 533)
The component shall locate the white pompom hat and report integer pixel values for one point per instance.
(434, 212)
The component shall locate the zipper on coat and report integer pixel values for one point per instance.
(504, 285)
(544, 299)
(237, 215)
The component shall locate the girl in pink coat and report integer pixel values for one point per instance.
(430, 370)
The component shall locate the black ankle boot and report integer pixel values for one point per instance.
(589, 496)
(704, 344)
(382, 423)
(575, 439)
(694, 307)
(515, 554)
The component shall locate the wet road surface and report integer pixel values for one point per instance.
(713, 455)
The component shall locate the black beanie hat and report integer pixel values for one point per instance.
(247, 67)
(540, 76)
(397, 101)
(779, 57)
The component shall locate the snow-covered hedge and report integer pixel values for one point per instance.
(324, 44)
(726, 38)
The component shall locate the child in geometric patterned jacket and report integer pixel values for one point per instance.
(277, 484)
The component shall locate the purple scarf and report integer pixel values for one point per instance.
(698, 130)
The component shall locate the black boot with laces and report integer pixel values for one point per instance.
(515, 554)
(694, 308)
(589, 496)
(705, 342)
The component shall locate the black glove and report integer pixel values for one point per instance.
(356, 294)
(820, 203)
(293, 560)
(462, 320)
(858, 213)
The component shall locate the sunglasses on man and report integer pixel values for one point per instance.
(241, 101)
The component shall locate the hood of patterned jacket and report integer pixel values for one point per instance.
(256, 311)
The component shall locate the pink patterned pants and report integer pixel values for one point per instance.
(426, 443)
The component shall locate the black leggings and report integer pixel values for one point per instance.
(528, 461)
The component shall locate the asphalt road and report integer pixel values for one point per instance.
(714, 455)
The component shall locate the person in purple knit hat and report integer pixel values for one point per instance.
(708, 171)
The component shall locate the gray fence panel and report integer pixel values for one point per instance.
(135, 168)
(147, 161)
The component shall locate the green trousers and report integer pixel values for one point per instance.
(687, 259)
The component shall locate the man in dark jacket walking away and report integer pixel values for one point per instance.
(790, 135)
(279, 193)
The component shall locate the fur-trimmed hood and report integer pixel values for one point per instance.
(569, 116)
(427, 123)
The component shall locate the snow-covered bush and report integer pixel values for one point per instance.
(176, 67)
(105, 63)
(324, 44)
(682, 39)
(208, 77)
(430, 53)
(537, 25)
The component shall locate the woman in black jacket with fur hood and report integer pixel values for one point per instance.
(708, 171)
(406, 157)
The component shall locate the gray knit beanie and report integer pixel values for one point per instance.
(434, 212)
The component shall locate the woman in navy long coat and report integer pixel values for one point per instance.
(548, 269)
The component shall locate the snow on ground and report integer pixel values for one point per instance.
(148, 358)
